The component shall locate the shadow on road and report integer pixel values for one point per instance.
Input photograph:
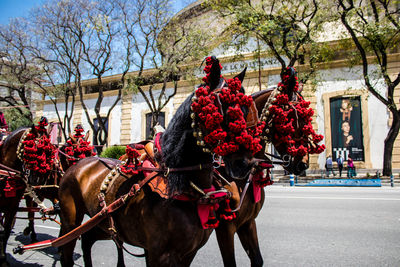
(50, 252)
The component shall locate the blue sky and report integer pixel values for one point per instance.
(15, 8)
(20, 8)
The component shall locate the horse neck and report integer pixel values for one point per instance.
(63, 158)
(9, 150)
(179, 149)
(260, 98)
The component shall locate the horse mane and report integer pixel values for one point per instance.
(179, 147)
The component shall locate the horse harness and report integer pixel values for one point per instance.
(26, 172)
(155, 175)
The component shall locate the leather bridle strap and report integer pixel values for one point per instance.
(10, 169)
(244, 192)
(198, 167)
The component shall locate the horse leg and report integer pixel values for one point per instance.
(87, 241)
(90, 237)
(121, 261)
(163, 259)
(187, 260)
(8, 217)
(248, 237)
(71, 218)
(225, 236)
(31, 217)
(3, 242)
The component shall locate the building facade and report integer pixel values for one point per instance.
(353, 122)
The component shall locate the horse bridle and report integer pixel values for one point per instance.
(267, 118)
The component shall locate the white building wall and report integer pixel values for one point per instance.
(114, 121)
(348, 79)
(140, 108)
(50, 113)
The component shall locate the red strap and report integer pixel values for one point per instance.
(157, 141)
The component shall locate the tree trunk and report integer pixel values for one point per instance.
(389, 143)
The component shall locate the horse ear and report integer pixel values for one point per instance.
(72, 138)
(87, 135)
(291, 81)
(241, 75)
(50, 128)
(215, 74)
(33, 129)
(292, 78)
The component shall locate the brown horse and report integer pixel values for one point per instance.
(244, 224)
(169, 230)
(14, 186)
(9, 203)
(75, 148)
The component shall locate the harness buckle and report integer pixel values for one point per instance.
(166, 173)
(216, 161)
(286, 160)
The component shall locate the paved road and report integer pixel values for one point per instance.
(299, 226)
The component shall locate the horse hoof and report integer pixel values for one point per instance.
(4, 263)
(27, 231)
(34, 239)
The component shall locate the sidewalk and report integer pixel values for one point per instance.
(279, 178)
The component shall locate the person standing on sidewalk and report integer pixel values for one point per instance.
(3, 125)
(351, 169)
(329, 166)
(339, 162)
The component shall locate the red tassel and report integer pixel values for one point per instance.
(261, 180)
(212, 219)
(227, 214)
(10, 191)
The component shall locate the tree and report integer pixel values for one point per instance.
(18, 73)
(287, 28)
(374, 29)
(164, 44)
(70, 42)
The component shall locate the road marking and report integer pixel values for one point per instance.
(48, 227)
(337, 198)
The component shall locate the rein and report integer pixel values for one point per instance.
(8, 169)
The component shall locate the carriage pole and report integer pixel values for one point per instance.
(60, 241)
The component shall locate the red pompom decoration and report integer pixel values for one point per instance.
(285, 114)
(208, 108)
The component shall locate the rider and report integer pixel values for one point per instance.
(3, 125)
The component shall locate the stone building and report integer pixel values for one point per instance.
(342, 105)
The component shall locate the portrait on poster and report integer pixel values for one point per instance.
(346, 128)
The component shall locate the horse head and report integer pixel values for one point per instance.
(288, 123)
(9, 150)
(239, 163)
(210, 126)
(76, 147)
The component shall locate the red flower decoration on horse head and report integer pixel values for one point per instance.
(218, 115)
(285, 115)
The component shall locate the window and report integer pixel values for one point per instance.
(96, 140)
(55, 134)
(149, 120)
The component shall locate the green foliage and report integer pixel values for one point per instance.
(114, 152)
(287, 30)
(15, 120)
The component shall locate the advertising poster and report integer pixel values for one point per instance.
(346, 128)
